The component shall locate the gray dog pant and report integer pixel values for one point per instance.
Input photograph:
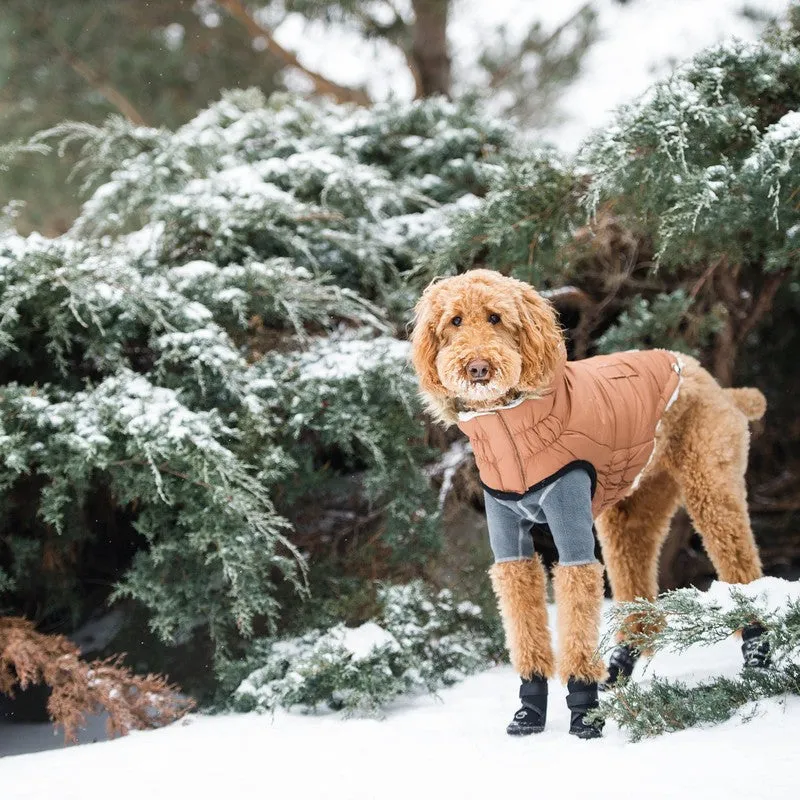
(565, 506)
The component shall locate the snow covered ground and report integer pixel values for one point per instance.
(453, 746)
(639, 42)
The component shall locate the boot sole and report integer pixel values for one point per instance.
(587, 734)
(526, 731)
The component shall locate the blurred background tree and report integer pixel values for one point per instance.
(158, 63)
(154, 63)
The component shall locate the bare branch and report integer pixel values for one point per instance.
(498, 76)
(399, 33)
(113, 95)
(322, 85)
(761, 306)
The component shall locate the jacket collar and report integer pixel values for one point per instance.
(465, 416)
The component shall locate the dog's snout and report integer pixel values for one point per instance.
(478, 369)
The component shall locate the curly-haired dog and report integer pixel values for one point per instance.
(617, 440)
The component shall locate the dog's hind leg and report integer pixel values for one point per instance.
(631, 534)
(710, 469)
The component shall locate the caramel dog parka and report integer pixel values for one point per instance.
(601, 414)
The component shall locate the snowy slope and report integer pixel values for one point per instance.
(639, 42)
(453, 746)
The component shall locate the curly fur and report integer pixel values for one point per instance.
(521, 590)
(579, 596)
(699, 459)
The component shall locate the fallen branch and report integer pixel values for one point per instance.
(79, 688)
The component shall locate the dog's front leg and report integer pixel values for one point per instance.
(521, 589)
(579, 596)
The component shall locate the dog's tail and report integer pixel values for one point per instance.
(751, 402)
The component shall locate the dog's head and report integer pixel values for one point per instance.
(480, 336)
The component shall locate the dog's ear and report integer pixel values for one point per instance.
(425, 343)
(541, 341)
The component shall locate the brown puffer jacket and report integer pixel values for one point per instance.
(601, 412)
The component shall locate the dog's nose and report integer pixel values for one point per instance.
(478, 369)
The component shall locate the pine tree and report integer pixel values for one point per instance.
(198, 370)
(159, 63)
(421, 641)
(703, 167)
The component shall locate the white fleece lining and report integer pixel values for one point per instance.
(465, 416)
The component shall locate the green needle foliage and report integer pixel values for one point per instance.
(664, 706)
(203, 396)
(420, 641)
(678, 220)
(683, 618)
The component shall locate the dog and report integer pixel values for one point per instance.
(615, 443)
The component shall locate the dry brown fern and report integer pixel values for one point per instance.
(79, 688)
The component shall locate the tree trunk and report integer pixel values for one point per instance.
(429, 49)
(743, 317)
(725, 352)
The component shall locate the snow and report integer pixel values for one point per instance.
(639, 42)
(365, 639)
(427, 229)
(339, 359)
(188, 273)
(447, 466)
(144, 241)
(98, 632)
(770, 594)
(786, 129)
(453, 745)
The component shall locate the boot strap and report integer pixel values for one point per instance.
(752, 631)
(581, 699)
(533, 689)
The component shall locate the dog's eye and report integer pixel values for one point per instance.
(494, 318)
(456, 321)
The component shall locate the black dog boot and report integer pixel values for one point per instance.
(755, 647)
(620, 666)
(582, 699)
(533, 714)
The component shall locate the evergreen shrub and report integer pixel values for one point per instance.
(197, 371)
